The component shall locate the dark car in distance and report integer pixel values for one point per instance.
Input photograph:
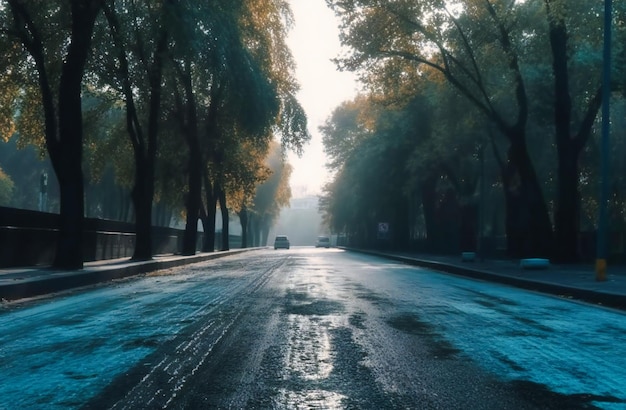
(281, 241)
(322, 242)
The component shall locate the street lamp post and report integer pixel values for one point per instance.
(601, 240)
(481, 205)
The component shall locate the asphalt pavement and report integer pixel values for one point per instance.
(568, 281)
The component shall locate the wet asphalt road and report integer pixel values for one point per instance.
(309, 328)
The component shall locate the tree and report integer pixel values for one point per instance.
(383, 137)
(270, 195)
(108, 158)
(473, 48)
(240, 73)
(511, 60)
(575, 109)
(263, 25)
(343, 134)
(408, 153)
(58, 57)
(219, 90)
(247, 172)
(139, 37)
(221, 72)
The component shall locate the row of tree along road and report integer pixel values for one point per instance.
(181, 99)
(485, 115)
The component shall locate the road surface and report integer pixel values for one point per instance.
(309, 328)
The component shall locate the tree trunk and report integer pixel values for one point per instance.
(243, 219)
(193, 201)
(264, 229)
(428, 189)
(253, 230)
(142, 202)
(221, 195)
(210, 235)
(468, 226)
(448, 222)
(566, 218)
(188, 117)
(528, 225)
(143, 192)
(567, 215)
(208, 223)
(67, 160)
(144, 152)
(401, 225)
(69, 252)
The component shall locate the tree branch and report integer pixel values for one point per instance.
(520, 88)
(584, 131)
(32, 39)
(133, 125)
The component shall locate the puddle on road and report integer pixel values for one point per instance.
(412, 324)
(373, 298)
(357, 320)
(317, 308)
(309, 399)
(302, 303)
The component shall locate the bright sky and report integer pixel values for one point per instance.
(314, 42)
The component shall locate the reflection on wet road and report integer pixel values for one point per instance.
(310, 328)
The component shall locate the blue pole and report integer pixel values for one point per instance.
(601, 240)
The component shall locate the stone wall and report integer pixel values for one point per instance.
(29, 238)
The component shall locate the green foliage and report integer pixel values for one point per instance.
(370, 146)
(232, 54)
(8, 97)
(273, 193)
(20, 99)
(344, 130)
(106, 139)
(264, 25)
(6, 189)
(531, 68)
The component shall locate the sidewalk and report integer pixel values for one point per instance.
(567, 281)
(20, 283)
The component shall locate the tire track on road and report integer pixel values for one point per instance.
(178, 361)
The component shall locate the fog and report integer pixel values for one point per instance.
(302, 222)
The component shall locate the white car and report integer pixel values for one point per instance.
(281, 241)
(322, 242)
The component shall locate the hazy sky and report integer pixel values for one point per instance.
(313, 42)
